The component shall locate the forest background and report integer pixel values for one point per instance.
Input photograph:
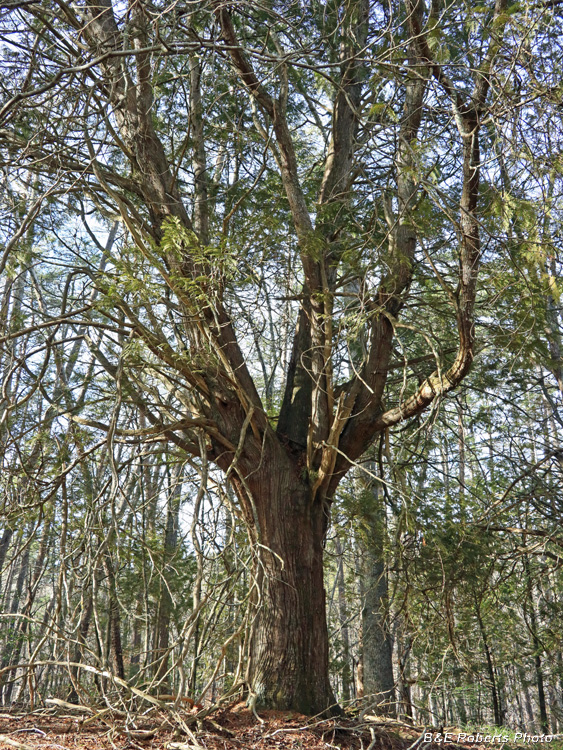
(281, 356)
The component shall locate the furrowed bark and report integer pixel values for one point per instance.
(289, 650)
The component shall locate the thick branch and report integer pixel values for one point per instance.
(468, 115)
(133, 111)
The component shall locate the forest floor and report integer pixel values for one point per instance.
(231, 729)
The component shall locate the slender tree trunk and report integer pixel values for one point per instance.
(166, 605)
(459, 698)
(544, 723)
(560, 690)
(136, 639)
(526, 696)
(462, 460)
(4, 545)
(198, 583)
(114, 624)
(7, 587)
(12, 656)
(530, 611)
(359, 674)
(404, 646)
(518, 698)
(490, 667)
(377, 640)
(555, 706)
(343, 616)
(83, 628)
(12, 643)
(20, 581)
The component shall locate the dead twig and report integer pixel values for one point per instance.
(418, 740)
(70, 706)
(14, 743)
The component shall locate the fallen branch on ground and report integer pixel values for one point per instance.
(14, 743)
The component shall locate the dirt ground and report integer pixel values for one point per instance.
(229, 729)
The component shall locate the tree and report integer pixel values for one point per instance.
(348, 145)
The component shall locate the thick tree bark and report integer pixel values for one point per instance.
(289, 649)
(289, 660)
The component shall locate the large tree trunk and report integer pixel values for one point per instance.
(289, 648)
